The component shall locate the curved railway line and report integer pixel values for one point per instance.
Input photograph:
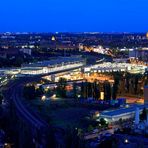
(14, 94)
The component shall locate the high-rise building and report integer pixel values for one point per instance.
(147, 35)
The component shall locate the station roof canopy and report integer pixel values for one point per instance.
(57, 61)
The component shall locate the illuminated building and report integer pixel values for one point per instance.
(140, 53)
(115, 67)
(43, 67)
(102, 95)
(81, 47)
(99, 49)
(26, 51)
(33, 70)
(147, 35)
(53, 38)
(123, 113)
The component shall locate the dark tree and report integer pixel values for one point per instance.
(143, 116)
(71, 138)
(90, 89)
(74, 90)
(107, 143)
(48, 93)
(96, 93)
(136, 79)
(1, 98)
(117, 77)
(29, 92)
(103, 122)
(84, 90)
(39, 92)
(127, 78)
(115, 91)
(107, 90)
(61, 88)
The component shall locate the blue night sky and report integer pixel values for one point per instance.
(73, 15)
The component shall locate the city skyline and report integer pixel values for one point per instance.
(73, 73)
(73, 16)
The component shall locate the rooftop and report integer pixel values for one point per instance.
(123, 110)
(59, 60)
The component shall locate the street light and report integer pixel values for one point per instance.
(126, 141)
(43, 98)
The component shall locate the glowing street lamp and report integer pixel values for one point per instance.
(43, 98)
(126, 141)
